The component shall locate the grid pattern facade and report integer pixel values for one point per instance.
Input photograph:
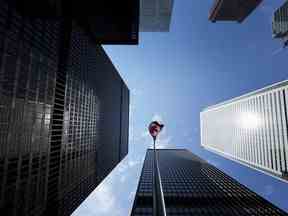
(108, 22)
(280, 21)
(251, 129)
(191, 186)
(111, 22)
(80, 121)
(94, 121)
(28, 67)
(155, 15)
(59, 94)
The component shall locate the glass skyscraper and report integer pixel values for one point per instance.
(191, 186)
(232, 10)
(251, 129)
(280, 22)
(63, 114)
(155, 15)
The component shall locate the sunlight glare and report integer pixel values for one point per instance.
(249, 120)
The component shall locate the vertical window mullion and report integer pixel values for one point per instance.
(271, 133)
(234, 130)
(238, 131)
(267, 132)
(285, 124)
(248, 134)
(262, 132)
(257, 138)
(255, 143)
(280, 129)
(243, 134)
(275, 132)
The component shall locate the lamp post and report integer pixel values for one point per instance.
(158, 197)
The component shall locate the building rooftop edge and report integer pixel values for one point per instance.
(180, 149)
(214, 9)
(250, 94)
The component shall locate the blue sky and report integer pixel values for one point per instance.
(173, 76)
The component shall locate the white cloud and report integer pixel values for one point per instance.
(123, 178)
(132, 163)
(145, 134)
(105, 200)
(132, 195)
(157, 117)
(132, 108)
(128, 163)
(112, 196)
(137, 92)
(115, 195)
(163, 140)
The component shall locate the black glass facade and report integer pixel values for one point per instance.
(191, 186)
(63, 114)
(232, 10)
(108, 22)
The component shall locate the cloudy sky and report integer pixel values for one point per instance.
(173, 76)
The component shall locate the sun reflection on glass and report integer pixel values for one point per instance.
(249, 120)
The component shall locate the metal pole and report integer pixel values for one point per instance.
(158, 197)
(155, 207)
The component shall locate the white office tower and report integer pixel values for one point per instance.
(251, 129)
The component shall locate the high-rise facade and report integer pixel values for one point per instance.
(232, 10)
(155, 15)
(280, 22)
(108, 22)
(191, 186)
(251, 129)
(63, 114)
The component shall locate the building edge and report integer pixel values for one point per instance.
(257, 92)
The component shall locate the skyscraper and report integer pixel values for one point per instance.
(191, 186)
(251, 129)
(155, 15)
(108, 22)
(232, 10)
(63, 114)
(280, 23)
